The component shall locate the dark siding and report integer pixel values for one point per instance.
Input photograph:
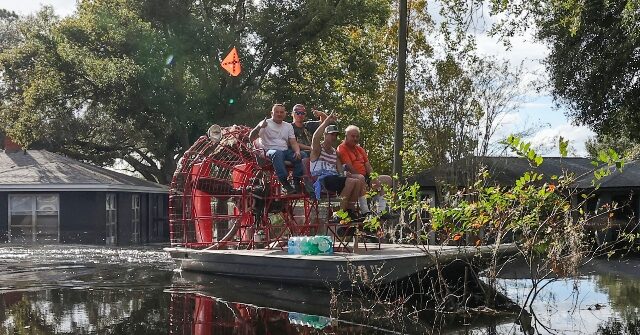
(152, 229)
(124, 218)
(4, 216)
(82, 217)
(101, 217)
(158, 223)
(144, 218)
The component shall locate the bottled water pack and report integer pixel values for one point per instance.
(310, 245)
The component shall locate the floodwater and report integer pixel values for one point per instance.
(99, 290)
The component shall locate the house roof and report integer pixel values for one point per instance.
(41, 170)
(505, 171)
(629, 176)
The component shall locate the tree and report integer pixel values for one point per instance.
(593, 62)
(452, 102)
(140, 80)
(595, 67)
(8, 29)
(627, 148)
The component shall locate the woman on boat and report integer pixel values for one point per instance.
(327, 167)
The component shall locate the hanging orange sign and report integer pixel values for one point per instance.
(231, 63)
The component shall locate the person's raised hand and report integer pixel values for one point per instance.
(319, 114)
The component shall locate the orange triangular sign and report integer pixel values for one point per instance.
(231, 63)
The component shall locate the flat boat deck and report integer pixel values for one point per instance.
(373, 266)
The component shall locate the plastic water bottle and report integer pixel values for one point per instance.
(296, 319)
(305, 246)
(325, 246)
(294, 245)
(298, 245)
(313, 245)
(315, 321)
(290, 248)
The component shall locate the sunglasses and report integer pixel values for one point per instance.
(300, 112)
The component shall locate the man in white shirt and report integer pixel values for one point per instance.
(279, 142)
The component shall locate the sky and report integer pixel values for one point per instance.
(537, 112)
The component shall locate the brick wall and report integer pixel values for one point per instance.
(10, 146)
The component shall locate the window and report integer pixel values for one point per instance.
(112, 219)
(33, 218)
(135, 218)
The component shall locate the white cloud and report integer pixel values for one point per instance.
(545, 140)
(535, 105)
(523, 50)
(510, 119)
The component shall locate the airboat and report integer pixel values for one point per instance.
(229, 216)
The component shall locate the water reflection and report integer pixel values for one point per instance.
(92, 290)
(68, 311)
(593, 304)
(201, 315)
(623, 293)
(615, 326)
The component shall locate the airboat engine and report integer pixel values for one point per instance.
(223, 192)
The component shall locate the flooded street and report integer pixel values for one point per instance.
(98, 290)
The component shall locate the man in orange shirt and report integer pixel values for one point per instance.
(355, 158)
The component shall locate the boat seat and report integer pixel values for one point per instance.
(345, 234)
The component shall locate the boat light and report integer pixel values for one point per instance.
(214, 133)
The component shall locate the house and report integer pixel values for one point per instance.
(49, 198)
(503, 171)
(620, 187)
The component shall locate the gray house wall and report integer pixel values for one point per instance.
(152, 219)
(153, 225)
(83, 217)
(124, 218)
(4, 216)
(158, 218)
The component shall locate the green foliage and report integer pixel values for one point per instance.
(538, 211)
(140, 80)
(605, 162)
(408, 199)
(524, 149)
(562, 146)
(9, 33)
(598, 89)
(527, 208)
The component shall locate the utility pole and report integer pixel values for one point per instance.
(400, 89)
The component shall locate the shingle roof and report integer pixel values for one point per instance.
(628, 177)
(42, 170)
(505, 170)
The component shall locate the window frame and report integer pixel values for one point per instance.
(34, 215)
(135, 217)
(111, 237)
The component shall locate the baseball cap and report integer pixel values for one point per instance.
(331, 129)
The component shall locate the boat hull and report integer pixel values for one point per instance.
(388, 264)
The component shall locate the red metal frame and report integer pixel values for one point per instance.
(230, 183)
